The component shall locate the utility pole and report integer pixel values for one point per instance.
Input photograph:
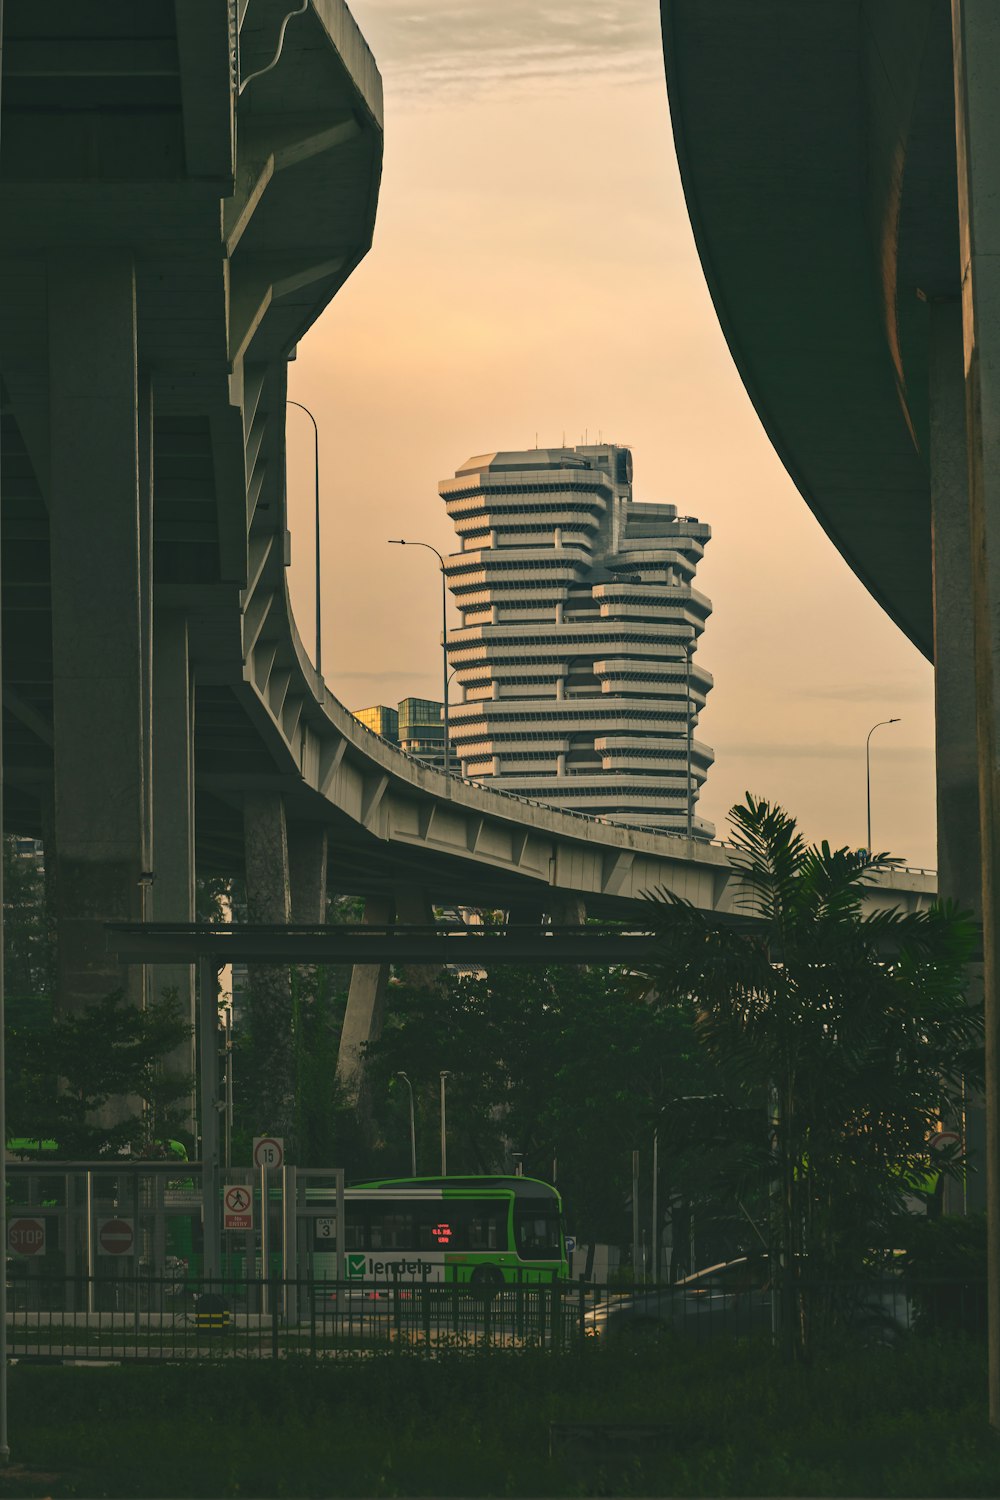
(690, 741)
(635, 1216)
(444, 1128)
(402, 542)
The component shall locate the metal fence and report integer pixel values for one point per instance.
(137, 1316)
(143, 1317)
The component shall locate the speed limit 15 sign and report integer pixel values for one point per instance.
(268, 1152)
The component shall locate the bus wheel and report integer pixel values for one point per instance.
(487, 1281)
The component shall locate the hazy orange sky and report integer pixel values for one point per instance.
(534, 272)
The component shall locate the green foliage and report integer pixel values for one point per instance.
(945, 1263)
(952, 1247)
(561, 1064)
(214, 897)
(96, 1082)
(840, 1038)
(734, 1421)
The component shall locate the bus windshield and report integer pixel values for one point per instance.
(537, 1228)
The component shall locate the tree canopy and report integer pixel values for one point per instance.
(845, 1034)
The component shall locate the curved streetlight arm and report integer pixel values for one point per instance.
(319, 616)
(413, 1126)
(868, 776)
(398, 541)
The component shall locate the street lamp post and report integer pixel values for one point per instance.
(444, 1129)
(4, 1441)
(319, 637)
(401, 542)
(635, 1220)
(868, 775)
(656, 1205)
(690, 743)
(413, 1127)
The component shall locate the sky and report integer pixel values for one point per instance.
(534, 277)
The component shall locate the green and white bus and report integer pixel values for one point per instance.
(482, 1230)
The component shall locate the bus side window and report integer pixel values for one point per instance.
(434, 1226)
(462, 1224)
(355, 1237)
(393, 1230)
(487, 1229)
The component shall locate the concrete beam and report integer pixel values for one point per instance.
(959, 876)
(959, 863)
(100, 830)
(206, 49)
(976, 44)
(173, 888)
(270, 995)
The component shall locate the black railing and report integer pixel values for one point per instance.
(126, 1317)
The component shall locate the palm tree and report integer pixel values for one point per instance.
(849, 1033)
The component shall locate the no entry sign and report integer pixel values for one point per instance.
(237, 1207)
(26, 1237)
(116, 1236)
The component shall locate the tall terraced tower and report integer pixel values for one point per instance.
(574, 659)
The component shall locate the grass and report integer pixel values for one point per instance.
(904, 1422)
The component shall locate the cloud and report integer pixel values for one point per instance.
(416, 675)
(427, 45)
(887, 694)
(785, 750)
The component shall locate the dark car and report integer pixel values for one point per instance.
(737, 1299)
(733, 1298)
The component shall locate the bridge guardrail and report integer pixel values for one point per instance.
(572, 812)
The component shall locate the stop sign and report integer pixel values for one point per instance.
(26, 1236)
(115, 1236)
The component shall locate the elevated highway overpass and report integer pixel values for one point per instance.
(817, 149)
(184, 187)
(840, 163)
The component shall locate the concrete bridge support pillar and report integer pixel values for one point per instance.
(307, 860)
(976, 36)
(959, 863)
(567, 910)
(173, 814)
(101, 842)
(365, 1003)
(270, 997)
(413, 909)
(366, 997)
(526, 913)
